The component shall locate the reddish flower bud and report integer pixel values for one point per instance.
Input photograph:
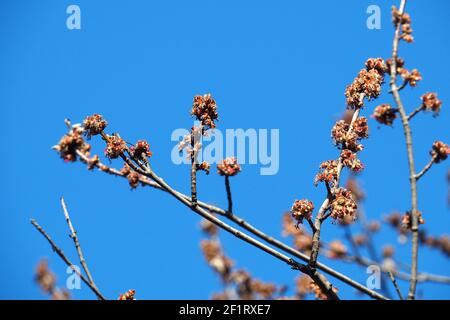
(228, 167)
(302, 209)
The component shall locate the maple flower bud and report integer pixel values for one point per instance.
(350, 160)
(228, 167)
(328, 172)
(431, 102)
(407, 221)
(115, 147)
(205, 110)
(133, 179)
(302, 209)
(336, 250)
(384, 114)
(343, 205)
(94, 125)
(129, 295)
(140, 149)
(204, 166)
(440, 151)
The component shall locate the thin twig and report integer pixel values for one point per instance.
(426, 168)
(193, 171)
(229, 198)
(418, 109)
(409, 148)
(61, 254)
(394, 282)
(74, 236)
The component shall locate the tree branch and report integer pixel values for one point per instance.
(61, 254)
(247, 226)
(394, 282)
(74, 236)
(426, 168)
(229, 198)
(416, 111)
(409, 147)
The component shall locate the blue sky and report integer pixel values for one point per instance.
(279, 65)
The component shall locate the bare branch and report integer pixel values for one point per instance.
(426, 168)
(61, 254)
(416, 111)
(229, 198)
(74, 236)
(394, 282)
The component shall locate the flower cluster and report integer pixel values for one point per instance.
(228, 167)
(336, 250)
(440, 151)
(388, 251)
(248, 288)
(72, 142)
(205, 110)
(204, 166)
(405, 21)
(192, 141)
(94, 125)
(385, 114)
(350, 160)
(140, 150)
(407, 221)
(46, 280)
(132, 176)
(45, 277)
(431, 102)
(343, 205)
(301, 239)
(367, 83)
(115, 147)
(356, 190)
(442, 243)
(411, 77)
(343, 137)
(209, 228)
(129, 295)
(328, 172)
(302, 209)
(212, 252)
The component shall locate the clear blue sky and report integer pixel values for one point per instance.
(139, 63)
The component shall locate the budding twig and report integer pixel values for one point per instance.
(416, 111)
(426, 168)
(61, 254)
(321, 215)
(409, 147)
(74, 236)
